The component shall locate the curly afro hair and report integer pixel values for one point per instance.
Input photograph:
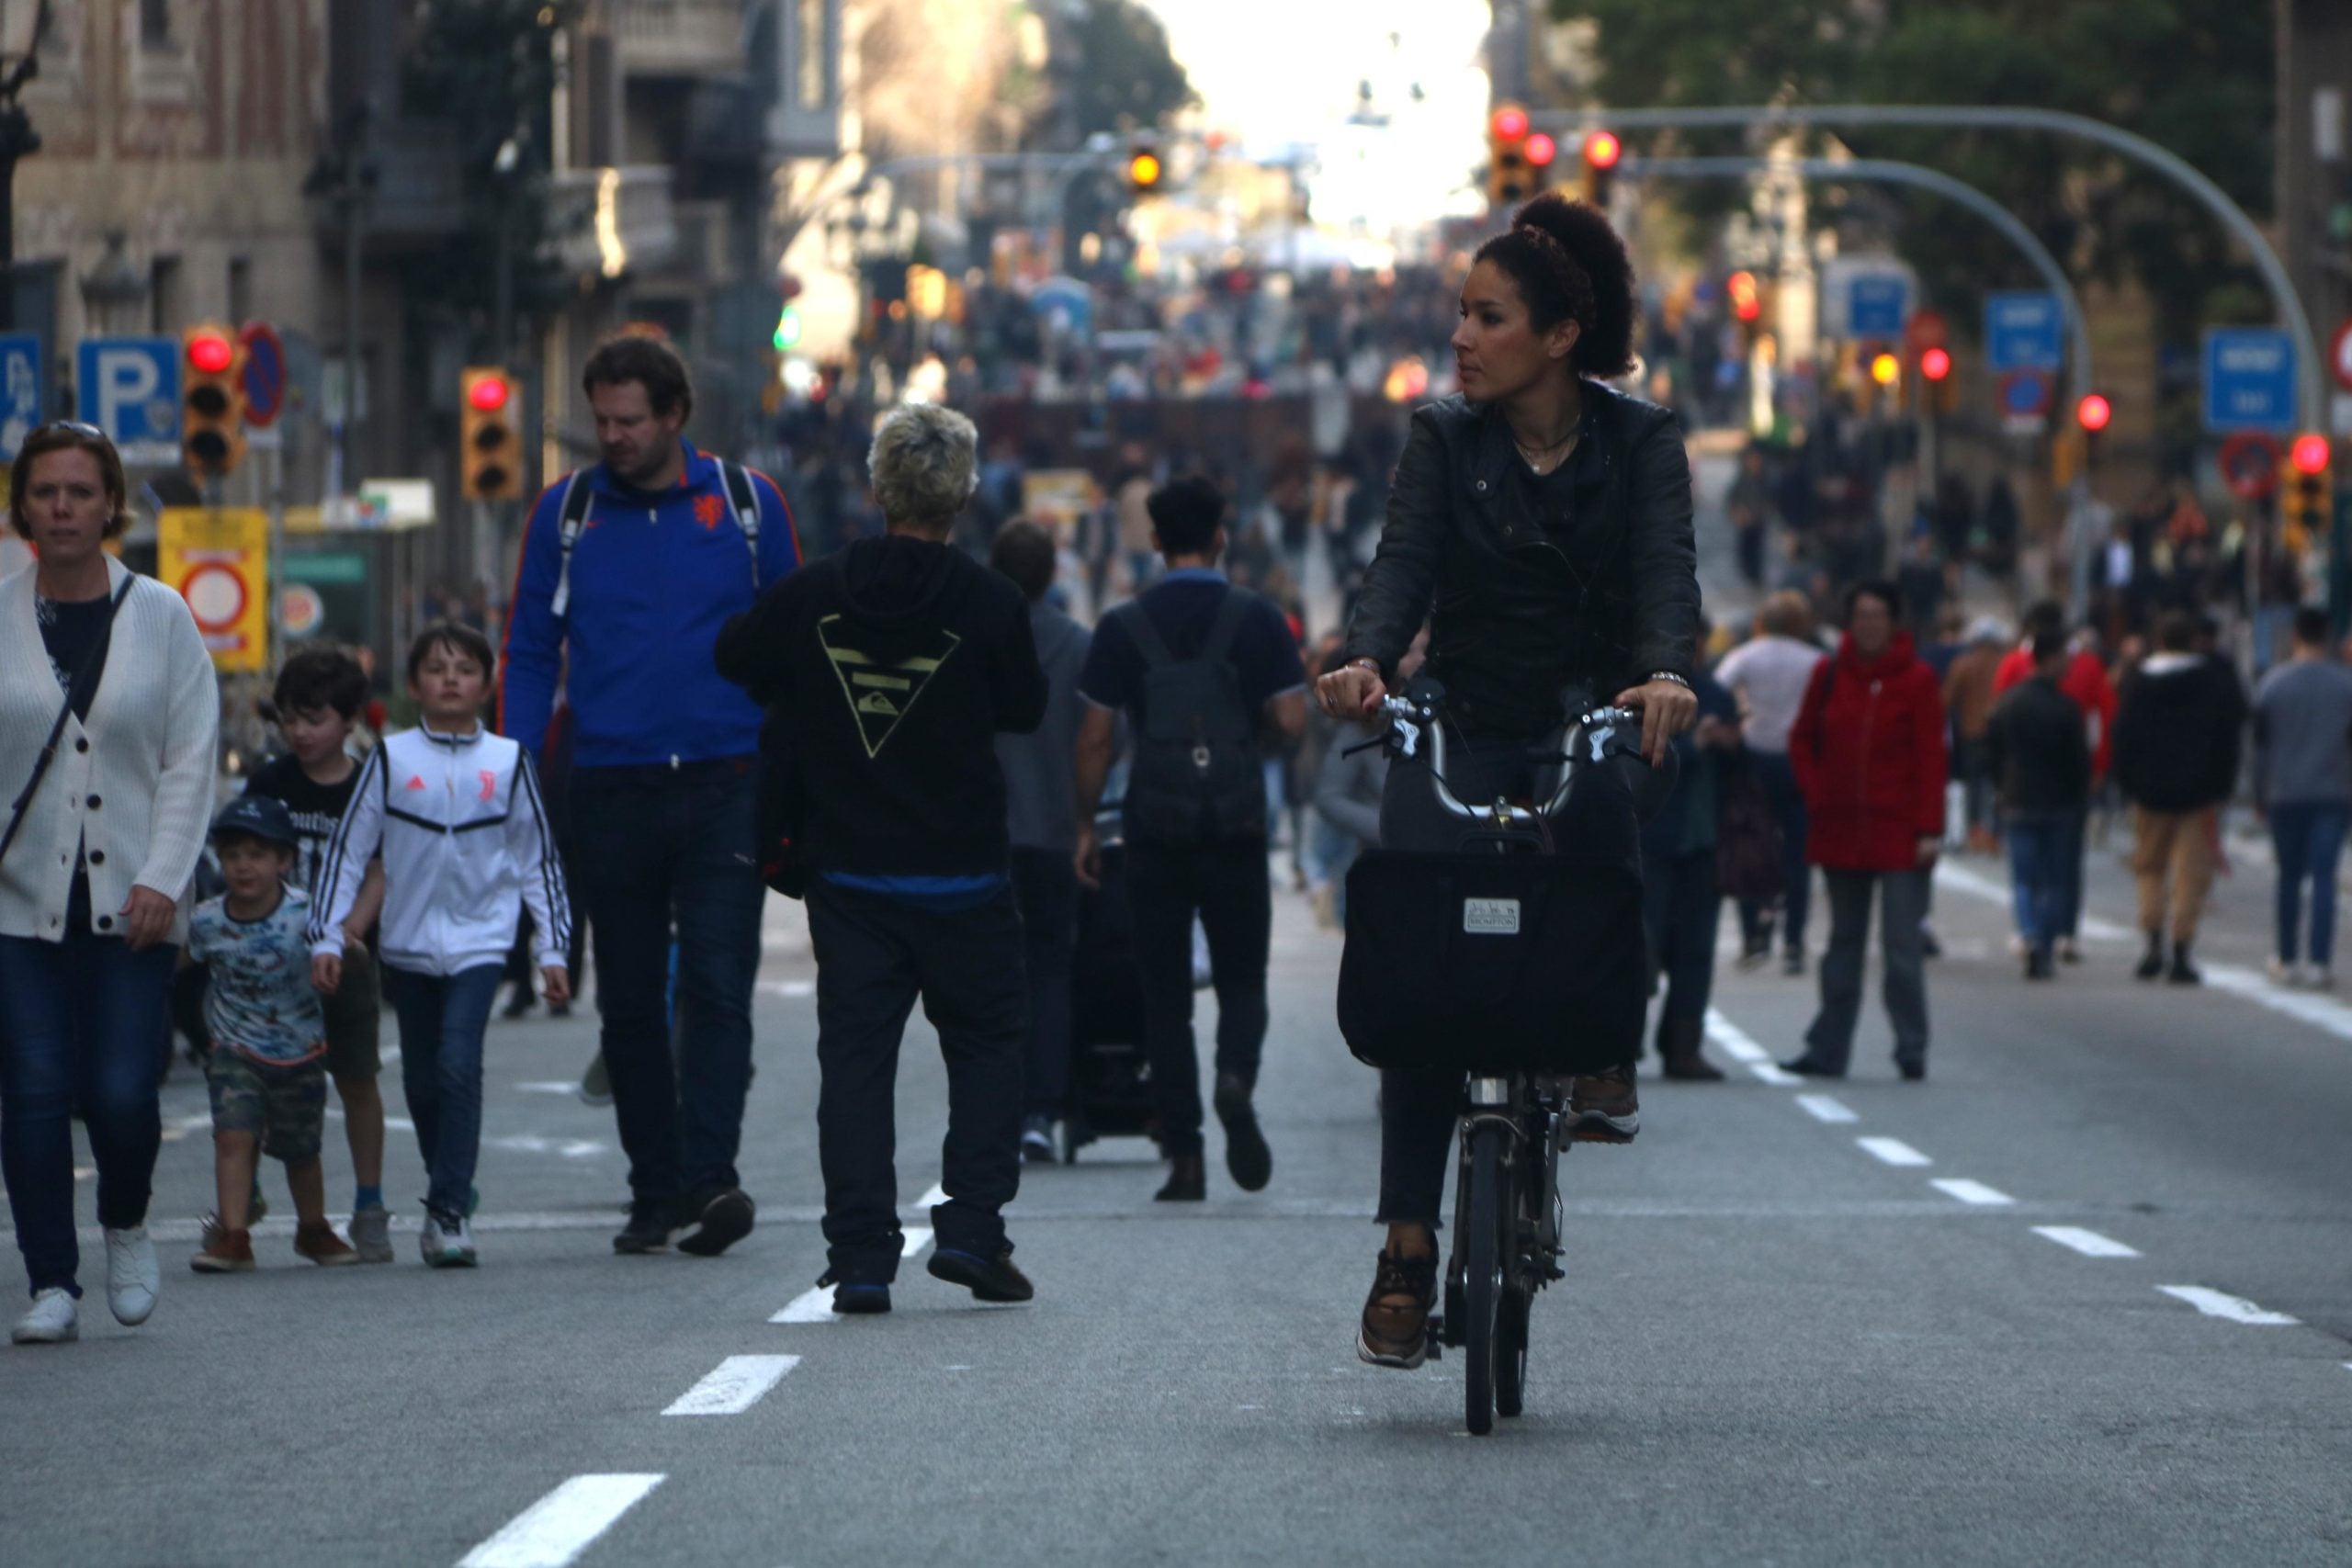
(1569, 263)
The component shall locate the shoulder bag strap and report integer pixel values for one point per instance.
(1148, 640)
(94, 659)
(1226, 627)
(577, 499)
(737, 480)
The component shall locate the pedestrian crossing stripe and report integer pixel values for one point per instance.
(882, 688)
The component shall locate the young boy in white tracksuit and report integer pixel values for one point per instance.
(456, 815)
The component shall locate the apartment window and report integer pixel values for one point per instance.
(162, 68)
(240, 290)
(166, 296)
(156, 26)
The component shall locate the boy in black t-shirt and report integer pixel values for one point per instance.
(318, 697)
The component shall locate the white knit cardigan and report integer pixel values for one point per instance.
(133, 785)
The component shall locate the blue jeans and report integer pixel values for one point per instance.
(2308, 837)
(84, 1027)
(2041, 865)
(665, 853)
(442, 1018)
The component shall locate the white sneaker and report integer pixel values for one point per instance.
(2320, 979)
(447, 1244)
(132, 1275)
(2282, 973)
(51, 1319)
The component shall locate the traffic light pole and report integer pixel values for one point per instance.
(1988, 117)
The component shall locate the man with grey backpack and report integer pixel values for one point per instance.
(1204, 673)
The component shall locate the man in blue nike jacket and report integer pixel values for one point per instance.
(629, 570)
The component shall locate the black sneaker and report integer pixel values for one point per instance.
(858, 1298)
(988, 1278)
(2183, 973)
(649, 1228)
(1394, 1329)
(1247, 1159)
(720, 1216)
(1037, 1141)
(1806, 1067)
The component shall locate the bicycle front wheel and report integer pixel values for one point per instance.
(1482, 1285)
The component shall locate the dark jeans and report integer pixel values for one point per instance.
(1227, 885)
(1779, 781)
(2071, 851)
(1417, 1109)
(2038, 871)
(660, 849)
(1830, 1040)
(1045, 882)
(442, 1018)
(84, 1025)
(1681, 909)
(2308, 837)
(874, 955)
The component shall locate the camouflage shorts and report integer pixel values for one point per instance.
(286, 1108)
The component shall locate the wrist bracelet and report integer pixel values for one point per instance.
(1367, 663)
(1669, 675)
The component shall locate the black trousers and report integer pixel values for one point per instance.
(1045, 882)
(874, 955)
(1226, 885)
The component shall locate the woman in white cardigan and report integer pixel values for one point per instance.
(93, 885)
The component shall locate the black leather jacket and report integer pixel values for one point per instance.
(1585, 577)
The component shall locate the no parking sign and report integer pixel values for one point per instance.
(218, 562)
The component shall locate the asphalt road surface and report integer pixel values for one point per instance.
(2084, 1295)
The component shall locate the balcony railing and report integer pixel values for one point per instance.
(681, 38)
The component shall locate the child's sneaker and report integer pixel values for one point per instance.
(371, 1234)
(50, 1320)
(447, 1242)
(316, 1240)
(225, 1252)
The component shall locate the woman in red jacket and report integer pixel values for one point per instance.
(1868, 749)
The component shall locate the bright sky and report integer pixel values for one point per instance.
(1284, 72)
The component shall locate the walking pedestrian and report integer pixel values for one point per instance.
(895, 664)
(2087, 682)
(1748, 505)
(629, 567)
(109, 725)
(2177, 728)
(2302, 781)
(1769, 673)
(1681, 899)
(1207, 674)
(1968, 699)
(266, 1072)
(456, 816)
(2036, 750)
(1867, 747)
(317, 699)
(1353, 781)
(1039, 789)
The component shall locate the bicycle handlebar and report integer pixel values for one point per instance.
(1588, 739)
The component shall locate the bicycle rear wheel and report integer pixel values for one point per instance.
(1482, 1285)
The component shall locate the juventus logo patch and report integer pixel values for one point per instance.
(884, 680)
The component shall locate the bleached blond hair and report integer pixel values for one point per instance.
(924, 465)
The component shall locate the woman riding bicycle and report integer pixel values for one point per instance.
(1539, 523)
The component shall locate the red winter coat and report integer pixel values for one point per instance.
(1868, 748)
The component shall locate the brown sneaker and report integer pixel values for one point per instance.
(225, 1252)
(316, 1240)
(1395, 1329)
(1603, 1107)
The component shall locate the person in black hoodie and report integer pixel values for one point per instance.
(2040, 761)
(894, 665)
(2176, 730)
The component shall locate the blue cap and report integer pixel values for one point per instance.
(258, 817)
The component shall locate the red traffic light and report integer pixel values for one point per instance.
(1935, 363)
(1745, 302)
(2310, 453)
(211, 352)
(2094, 412)
(1601, 148)
(489, 394)
(1508, 125)
(1541, 149)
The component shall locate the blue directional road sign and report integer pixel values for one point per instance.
(2249, 380)
(20, 400)
(2023, 331)
(1878, 305)
(129, 388)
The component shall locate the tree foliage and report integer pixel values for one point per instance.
(2193, 75)
(1124, 76)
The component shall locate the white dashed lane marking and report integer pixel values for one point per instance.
(817, 1305)
(734, 1387)
(2236, 1309)
(1771, 1073)
(1734, 1041)
(1823, 1108)
(1892, 1151)
(1969, 1191)
(2090, 1244)
(554, 1531)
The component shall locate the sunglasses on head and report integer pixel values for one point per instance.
(71, 427)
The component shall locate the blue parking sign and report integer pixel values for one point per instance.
(20, 400)
(1878, 305)
(2249, 380)
(2022, 331)
(129, 388)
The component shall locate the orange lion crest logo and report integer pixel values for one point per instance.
(709, 509)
